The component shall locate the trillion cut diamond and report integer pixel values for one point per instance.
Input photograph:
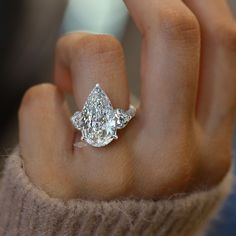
(122, 118)
(99, 124)
(77, 120)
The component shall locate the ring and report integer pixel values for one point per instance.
(98, 121)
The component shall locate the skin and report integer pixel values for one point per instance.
(180, 139)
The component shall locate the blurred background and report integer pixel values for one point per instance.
(29, 30)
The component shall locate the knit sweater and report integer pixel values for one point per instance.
(27, 210)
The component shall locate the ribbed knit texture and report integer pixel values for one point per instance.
(26, 210)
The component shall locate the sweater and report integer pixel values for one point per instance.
(27, 210)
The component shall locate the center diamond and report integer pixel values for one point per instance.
(99, 122)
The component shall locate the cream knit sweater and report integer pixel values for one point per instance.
(26, 210)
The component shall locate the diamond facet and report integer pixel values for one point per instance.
(99, 127)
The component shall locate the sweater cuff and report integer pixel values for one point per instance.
(26, 210)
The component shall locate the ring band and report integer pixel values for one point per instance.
(98, 121)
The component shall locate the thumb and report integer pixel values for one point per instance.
(45, 137)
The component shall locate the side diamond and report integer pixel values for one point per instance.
(122, 118)
(77, 120)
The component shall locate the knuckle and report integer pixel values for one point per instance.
(37, 92)
(101, 46)
(64, 45)
(178, 24)
(60, 43)
(37, 96)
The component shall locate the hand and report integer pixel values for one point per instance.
(181, 136)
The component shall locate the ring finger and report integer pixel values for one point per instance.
(84, 60)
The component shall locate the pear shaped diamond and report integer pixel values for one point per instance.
(99, 127)
(98, 121)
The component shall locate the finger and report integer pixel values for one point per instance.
(217, 89)
(45, 135)
(85, 59)
(44, 121)
(93, 59)
(217, 97)
(170, 60)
